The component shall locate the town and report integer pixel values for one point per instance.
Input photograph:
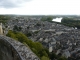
(56, 37)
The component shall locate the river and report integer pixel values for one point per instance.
(57, 19)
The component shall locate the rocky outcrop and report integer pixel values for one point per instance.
(11, 49)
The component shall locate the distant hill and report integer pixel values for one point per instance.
(4, 18)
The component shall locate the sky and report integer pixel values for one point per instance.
(40, 7)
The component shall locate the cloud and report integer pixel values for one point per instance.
(12, 3)
(40, 7)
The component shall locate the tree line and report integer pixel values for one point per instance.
(4, 18)
(71, 22)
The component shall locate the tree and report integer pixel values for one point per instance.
(16, 28)
(44, 58)
(28, 34)
(52, 55)
(49, 18)
(4, 18)
(71, 22)
(62, 58)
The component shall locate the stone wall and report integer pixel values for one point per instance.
(13, 50)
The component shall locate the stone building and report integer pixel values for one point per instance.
(1, 30)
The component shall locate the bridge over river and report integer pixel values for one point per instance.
(11, 49)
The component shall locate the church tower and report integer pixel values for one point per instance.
(1, 30)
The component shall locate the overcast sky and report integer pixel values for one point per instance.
(40, 7)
